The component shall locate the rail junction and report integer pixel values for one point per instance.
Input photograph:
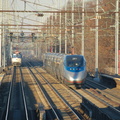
(46, 33)
(33, 94)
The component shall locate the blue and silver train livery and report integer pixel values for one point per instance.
(69, 69)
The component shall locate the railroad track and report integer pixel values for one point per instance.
(113, 93)
(4, 91)
(110, 106)
(16, 107)
(56, 99)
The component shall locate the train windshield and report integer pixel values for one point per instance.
(74, 61)
(16, 56)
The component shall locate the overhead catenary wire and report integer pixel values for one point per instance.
(38, 4)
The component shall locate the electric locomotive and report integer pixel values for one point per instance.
(69, 69)
(16, 59)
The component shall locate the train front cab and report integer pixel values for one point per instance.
(16, 59)
(75, 70)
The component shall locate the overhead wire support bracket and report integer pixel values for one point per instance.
(62, 11)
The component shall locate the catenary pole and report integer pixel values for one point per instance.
(96, 41)
(83, 24)
(116, 36)
(1, 14)
(60, 36)
(65, 29)
(73, 26)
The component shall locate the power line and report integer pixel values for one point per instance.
(41, 5)
(62, 11)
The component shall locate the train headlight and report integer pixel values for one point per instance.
(71, 79)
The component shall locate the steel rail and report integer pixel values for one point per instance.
(102, 101)
(101, 86)
(23, 93)
(115, 109)
(43, 92)
(65, 102)
(9, 97)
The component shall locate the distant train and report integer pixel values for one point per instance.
(69, 69)
(16, 59)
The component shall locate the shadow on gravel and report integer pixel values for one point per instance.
(102, 84)
(97, 112)
(33, 63)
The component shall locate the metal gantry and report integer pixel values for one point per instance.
(54, 25)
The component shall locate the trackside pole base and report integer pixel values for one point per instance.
(96, 76)
(41, 114)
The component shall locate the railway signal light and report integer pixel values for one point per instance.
(33, 36)
(22, 34)
(40, 14)
(11, 35)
